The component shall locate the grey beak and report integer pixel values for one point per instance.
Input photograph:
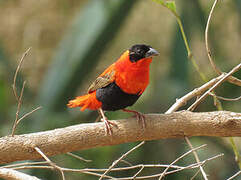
(151, 52)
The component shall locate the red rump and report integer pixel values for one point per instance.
(87, 101)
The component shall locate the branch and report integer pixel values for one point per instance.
(16, 73)
(50, 162)
(196, 92)
(90, 135)
(118, 160)
(20, 97)
(11, 174)
(193, 149)
(235, 69)
(235, 175)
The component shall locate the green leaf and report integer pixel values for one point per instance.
(171, 5)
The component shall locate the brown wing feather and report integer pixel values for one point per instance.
(103, 80)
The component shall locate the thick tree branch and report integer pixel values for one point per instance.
(85, 136)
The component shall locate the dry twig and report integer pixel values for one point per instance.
(196, 157)
(50, 162)
(92, 171)
(16, 73)
(19, 98)
(235, 175)
(182, 156)
(78, 157)
(25, 164)
(196, 92)
(196, 165)
(235, 69)
(231, 79)
(118, 160)
(226, 99)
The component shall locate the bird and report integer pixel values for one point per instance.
(120, 85)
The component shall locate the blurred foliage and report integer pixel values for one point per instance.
(80, 50)
(72, 42)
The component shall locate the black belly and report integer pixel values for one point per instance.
(113, 98)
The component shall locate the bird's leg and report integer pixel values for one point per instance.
(99, 117)
(107, 123)
(139, 116)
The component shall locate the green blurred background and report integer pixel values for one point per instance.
(74, 41)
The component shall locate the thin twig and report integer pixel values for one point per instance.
(185, 154)
(196, 92)
(16, 73)
(50, 162)
(235, 69)
(192, 178)
(206, 40)
(24, 164)
(138, 172)
(231, 79)
(197, 158)
(20, 97)
(235, 175)
(17, 121)
(122, 157)
(203, 162)
(92, 171)
(19, 100)
(63, 169)
(136, 166)
(226, 99)
(196, 165)
(27, 114)
(126, 162)
(78, 157)
(101, 170)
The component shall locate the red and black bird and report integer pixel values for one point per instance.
(120, 85)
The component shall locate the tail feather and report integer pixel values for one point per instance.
(87, 101)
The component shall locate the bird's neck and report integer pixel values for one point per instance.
(132, 77)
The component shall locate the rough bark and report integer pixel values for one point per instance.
(90, 135)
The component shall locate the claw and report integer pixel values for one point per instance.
(107, 123)
(108, 129)
(139, 116)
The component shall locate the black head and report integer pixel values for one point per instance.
(140, 51)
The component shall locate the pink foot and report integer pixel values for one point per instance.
(139, 116)
(107, 123)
